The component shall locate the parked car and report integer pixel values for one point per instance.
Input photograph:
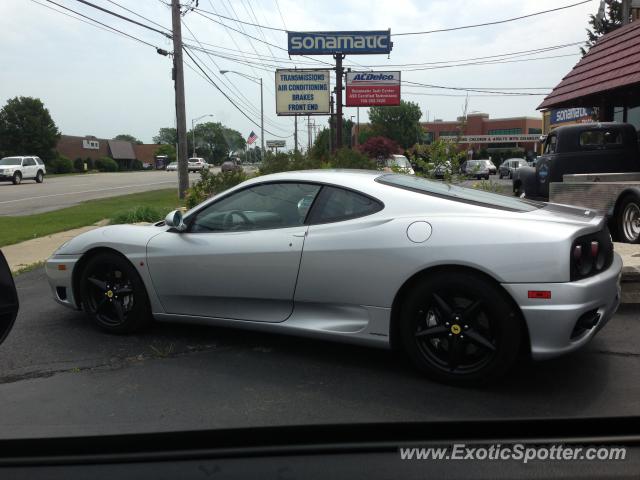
(389, 260)
(441, 170)
(594, 166)
(172, 167)
(491, 166)
(399, 163)
(231, 165)
(476, 169)
(196, 164)
(509, 166)
(16, 169)
(8, 299)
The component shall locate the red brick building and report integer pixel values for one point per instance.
(493, 134)
(94, 148)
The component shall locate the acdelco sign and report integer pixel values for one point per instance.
(370, 89)
(329, 43)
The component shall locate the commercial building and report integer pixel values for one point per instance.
(604, 84)
(123, 152)
(480, 132)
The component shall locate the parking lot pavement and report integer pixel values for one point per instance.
(63, 191)
(61, 376)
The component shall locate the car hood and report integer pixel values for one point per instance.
(124, 238)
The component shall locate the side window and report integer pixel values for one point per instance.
(39, 161)
(551, 145)
(272, 205)
(337, 204)
(28, 162)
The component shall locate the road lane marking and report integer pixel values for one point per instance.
(86, 191)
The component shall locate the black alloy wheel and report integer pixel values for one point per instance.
(40, 176)
(113, 294)
(460, 328)
(17, 178)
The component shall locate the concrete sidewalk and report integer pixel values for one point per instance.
(27, 253)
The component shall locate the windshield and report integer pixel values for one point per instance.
(399, 161)
(454, 192)
(11, 161)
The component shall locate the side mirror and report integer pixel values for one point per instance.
(174, 220)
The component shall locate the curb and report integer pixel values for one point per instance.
(630, 282)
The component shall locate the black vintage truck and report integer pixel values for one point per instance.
(595, 166)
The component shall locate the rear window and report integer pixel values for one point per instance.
(460, 194)
(600, 138)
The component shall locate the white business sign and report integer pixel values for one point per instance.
(276, 143)
(496, 138)
(302, 92)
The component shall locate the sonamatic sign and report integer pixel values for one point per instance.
(571, 115)
(329, 43)
(302, 92)
(370, 89)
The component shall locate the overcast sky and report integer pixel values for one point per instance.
(99, 83)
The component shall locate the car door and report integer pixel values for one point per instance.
(28, 167)
(239, 257)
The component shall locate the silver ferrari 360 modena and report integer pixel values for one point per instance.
(462, 280)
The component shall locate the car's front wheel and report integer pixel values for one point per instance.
(40, 176)
(460, 328)
(17, 178)
(113, 294)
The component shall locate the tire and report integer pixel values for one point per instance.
(510, 176)
(628, 219)
(500, 176)
(17, 178)
(105, 277)
(485, 344)
(40, 177)
(517, 189)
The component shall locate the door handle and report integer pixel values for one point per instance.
(300, 234)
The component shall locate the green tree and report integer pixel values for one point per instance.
(168, 150)
(166, 136)
(603, 23)
(26, 128)
(128, 138)
(401, 123)
(215, 142)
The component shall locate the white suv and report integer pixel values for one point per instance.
(196, 164)
(16, 169)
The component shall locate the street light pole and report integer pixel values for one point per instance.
(193, 131)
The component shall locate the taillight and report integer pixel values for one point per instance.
(590, 254)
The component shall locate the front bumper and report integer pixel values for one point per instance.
(551, 322)
(60, 280)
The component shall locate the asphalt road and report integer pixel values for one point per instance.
(61, 376)
(63, 191)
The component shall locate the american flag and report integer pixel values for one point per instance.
(252, 138)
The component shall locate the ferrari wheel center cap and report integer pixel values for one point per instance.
(455, 329)
(109, 293)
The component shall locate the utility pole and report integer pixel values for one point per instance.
(626, 11)
(181, 117)
(261, 118)
(339, 73)
(295, 133)
(332, 144)
(308, 133)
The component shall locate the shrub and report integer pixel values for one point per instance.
(136, 165)
(348, 158)
(142, 213)
(61, 164)
(274, 163)
(379, 147)
(106, 164)
(211, 184)
(78, 165)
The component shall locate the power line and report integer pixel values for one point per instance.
(460, 96)
(122, 17)
(508, 54)
(186, 50)
(497, 22)
(105, 25)
(470, 89)
(492, 62)
(141, 16)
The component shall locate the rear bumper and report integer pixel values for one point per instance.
(552, 322)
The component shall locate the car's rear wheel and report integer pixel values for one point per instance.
(113, 294)
(40, 176)
(628, 219)
(17, 178)
(460, 328)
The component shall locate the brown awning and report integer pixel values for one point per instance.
(121, 150)
(613, 62)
